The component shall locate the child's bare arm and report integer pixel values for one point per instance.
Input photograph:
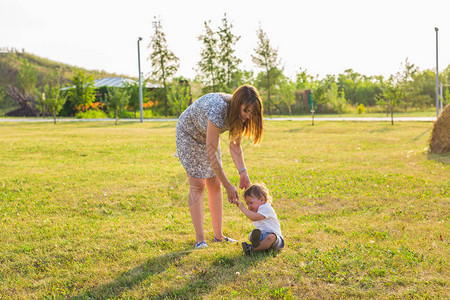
(250, 214)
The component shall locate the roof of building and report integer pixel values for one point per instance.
(118, 82)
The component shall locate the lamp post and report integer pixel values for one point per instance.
(437, 74)
(141, 105)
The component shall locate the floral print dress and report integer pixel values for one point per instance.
(191, 133)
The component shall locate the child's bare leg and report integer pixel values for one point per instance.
(266, 243)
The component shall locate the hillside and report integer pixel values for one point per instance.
(11, 61)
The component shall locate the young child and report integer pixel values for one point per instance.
(267, 234)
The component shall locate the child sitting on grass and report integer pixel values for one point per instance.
(267, 234)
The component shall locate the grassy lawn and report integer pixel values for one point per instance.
(97, 211)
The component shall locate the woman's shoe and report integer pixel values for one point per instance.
(201, 245)
(227, 239)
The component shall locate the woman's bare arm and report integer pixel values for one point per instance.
(238, 158)
(212, 148)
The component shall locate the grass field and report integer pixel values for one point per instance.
(97, 211)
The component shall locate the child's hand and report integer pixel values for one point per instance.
(239, 204)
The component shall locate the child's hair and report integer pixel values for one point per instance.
(258, 190)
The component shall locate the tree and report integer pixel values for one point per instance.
(3, 98)
(262, 84)
(336, 98)
(381, 102)
(41, 104)
(179, 95)
(341, 104)
(446, 96)
(399, 88)
(133, 90)
(27, 78)
(218, 66)
(304, 81)
(365, 92)
(25, 92)
(54, 99)
(349, 81)
(266, 58)
(117, 99)
(404, 79)
(228, 61)
(321, 88)
(423, 89)
(164, 61)
(239, 78)
(83, 91)
(392, 93)
(287, 93)
(209, 64)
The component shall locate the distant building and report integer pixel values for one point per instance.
(118, 82)
(102, 84)
(121, 81)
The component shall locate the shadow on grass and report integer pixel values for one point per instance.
(295, 129)
(382, 130)
(439, 158)
(221, 271)
(421, 135)
(162, 125)
(133, 277)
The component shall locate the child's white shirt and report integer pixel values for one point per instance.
(270, 223)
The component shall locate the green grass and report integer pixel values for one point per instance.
(97, 211)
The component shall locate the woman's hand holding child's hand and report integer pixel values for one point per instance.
(239, 204)
(232, 193)
(244, 180)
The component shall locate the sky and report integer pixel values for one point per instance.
(321, 36)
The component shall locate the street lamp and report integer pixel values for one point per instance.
(437, 74)
(141, 105)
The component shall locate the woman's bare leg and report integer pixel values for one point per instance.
(215, 202)
(196, 191)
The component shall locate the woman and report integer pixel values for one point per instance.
(197, 137)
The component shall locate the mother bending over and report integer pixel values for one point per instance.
(198, 148)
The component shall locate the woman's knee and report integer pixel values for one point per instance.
(196, 185)
(213, 184)
(196, 188)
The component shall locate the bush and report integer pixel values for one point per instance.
(361, 109)
(91, 114)
(126, 114)
(148, 113)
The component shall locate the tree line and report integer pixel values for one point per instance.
(219, 70)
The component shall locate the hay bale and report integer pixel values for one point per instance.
(440, 137)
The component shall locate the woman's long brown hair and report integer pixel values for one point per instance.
(252, 128)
